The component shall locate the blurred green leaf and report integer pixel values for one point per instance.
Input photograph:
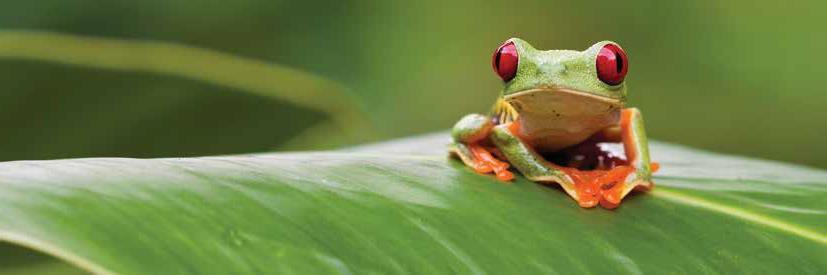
(19, 260)
(403, 206)
(243, 74)
(741, 74)
(149, 99)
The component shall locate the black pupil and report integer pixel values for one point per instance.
(619, 62)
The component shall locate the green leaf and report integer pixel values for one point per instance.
(95, 96)
(402, 206)
(244, 74)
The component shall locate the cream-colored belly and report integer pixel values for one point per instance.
(552, 134)
(553, 121)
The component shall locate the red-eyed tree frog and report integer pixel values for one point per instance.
(555, 109)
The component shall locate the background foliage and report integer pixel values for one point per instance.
(732, 76)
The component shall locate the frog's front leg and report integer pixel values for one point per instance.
(531, 164)
(470, 134)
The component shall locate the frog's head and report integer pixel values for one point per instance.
(531, 75)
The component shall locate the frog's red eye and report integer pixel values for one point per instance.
(505, 61)
(612, 64)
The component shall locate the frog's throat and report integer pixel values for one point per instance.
(587, 96)
(557, 104)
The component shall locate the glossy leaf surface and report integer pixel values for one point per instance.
(403, 207)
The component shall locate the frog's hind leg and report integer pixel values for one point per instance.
(469, 135)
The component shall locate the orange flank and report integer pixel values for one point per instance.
(485, 163)
(514, 128)
(628, 135)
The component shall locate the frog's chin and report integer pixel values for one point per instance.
(559, 118)
(561, 95)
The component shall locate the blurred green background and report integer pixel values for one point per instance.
(731, 76)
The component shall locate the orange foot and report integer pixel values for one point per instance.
(604, 187)
(485, 163)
